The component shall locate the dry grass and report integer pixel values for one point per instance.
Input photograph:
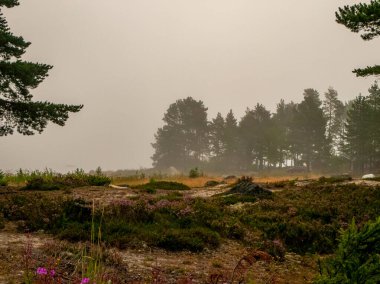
(200, 181)
(191, 182)
(264, 179)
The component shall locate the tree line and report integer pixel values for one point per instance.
(314, 135)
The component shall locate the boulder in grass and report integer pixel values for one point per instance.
(368, 176)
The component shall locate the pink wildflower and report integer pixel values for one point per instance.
(85, 280)
(41, 271)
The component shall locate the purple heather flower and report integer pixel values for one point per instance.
(85, 280)
(52, 272)
(41, 271)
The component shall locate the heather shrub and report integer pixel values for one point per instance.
(236, 198)
(193, 239)
(165, 185)
(309, 220)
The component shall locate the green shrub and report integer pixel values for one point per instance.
(3, 182)
(194, 239)
(309, 220)
(54, 181)
(211, 183)
(357, 259)
(150, 190)
(375, 178)
(98, 180)
(194, 173)
(334, 179)
(237, 198)
(165, 185)
(39, 183)
(283, 183)
(172, 196)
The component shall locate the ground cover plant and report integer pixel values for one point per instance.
(50, 180)
(306, 220)
(165, 185)
(309, 220)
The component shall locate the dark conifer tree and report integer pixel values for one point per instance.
(17, 78)
(333, 110)
(374, 102)
(217, 137)
(183, 141)
(254, 131)
(231, 143)
(357, 137)
(310, 129)
(283, 121)
(362, 18)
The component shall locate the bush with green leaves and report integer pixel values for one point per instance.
(357, 259)
(3, 182)
(194, 173)
(309, 220)
(165, 185)
(56, 181)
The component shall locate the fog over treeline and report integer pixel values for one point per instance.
(127, 62)
(321, 134)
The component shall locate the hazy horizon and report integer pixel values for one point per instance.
(127, 61)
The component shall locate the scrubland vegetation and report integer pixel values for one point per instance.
(276, 218)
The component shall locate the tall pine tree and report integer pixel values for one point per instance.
(333, 109)
(17, 78)
(310, 129)
(362, 18)
(357, 138)
(183, 141)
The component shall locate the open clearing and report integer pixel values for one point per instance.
(136, 263)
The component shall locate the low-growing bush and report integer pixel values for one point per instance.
(283, 183)
(375, 178)
(165, 185)
(98, 180)
(3, 182)
(236, 198)
(334, 179)
(193, 239)
(70, 180)
(211, 183)
(195, 173)
(305, 221)
(309, 220)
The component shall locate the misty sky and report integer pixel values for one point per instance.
(128, 60)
